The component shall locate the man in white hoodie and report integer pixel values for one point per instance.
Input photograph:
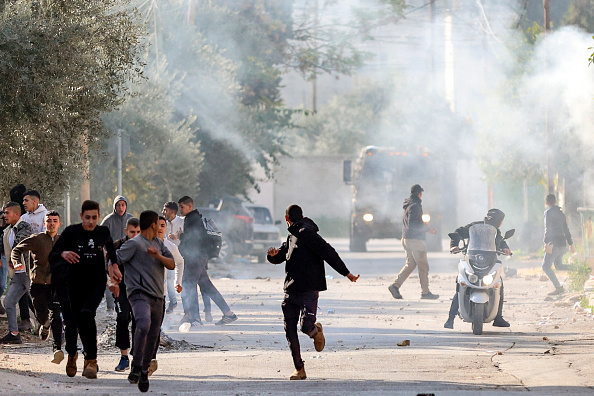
(35, 214)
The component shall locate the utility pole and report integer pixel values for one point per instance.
(449, 71)
(432, 33)
(550, 172)
(67, 208)
(119, 160)
(192, 6)
(314, 82)
(85, 187)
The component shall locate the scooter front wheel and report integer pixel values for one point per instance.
(478, 315)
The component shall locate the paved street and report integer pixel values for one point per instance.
(548, 349)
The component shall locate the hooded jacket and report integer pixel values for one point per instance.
(556, 229)
(115, 222)
(192, 239)
(305, 252)
(36, 219)
(413, 226)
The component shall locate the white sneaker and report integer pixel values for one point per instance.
(185, 327)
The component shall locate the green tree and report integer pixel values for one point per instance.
(165, 159)
(372, 114)
(580, 13)
(63, 64)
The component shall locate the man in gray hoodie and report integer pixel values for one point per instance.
(116, 222)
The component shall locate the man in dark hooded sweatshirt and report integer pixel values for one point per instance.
(495, 218)
(413, 242)
(304, 252)
(555, 238)
(116, 221)
(193, 250)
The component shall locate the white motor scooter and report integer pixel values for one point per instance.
(479, 276)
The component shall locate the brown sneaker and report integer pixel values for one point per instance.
(58, 356)
(71, 365)
(319, 340)
(90, 370)
(153, 366)
(298, 374)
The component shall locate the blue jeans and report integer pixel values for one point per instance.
(19, 287)
(195, 274)
(554, 258)
(3, 275)
(171, 287)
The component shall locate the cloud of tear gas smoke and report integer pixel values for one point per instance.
(210, 89)
(468, 86)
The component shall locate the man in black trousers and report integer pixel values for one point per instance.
(304, 252)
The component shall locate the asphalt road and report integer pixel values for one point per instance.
(547, 350)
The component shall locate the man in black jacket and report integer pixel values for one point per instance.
(555, 236)
(192, 249)
(413, 242)
(495, 218)
(77, 262)
(305, 252)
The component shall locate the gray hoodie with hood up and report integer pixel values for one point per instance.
(115, 222)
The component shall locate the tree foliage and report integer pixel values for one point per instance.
(164, 161)
(393, 112)
(63, 63)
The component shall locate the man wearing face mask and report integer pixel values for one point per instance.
(495, 218)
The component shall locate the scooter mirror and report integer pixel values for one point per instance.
(509, 233)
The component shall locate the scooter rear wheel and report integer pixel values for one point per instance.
(478, 315)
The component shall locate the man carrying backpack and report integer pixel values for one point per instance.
(194, 249)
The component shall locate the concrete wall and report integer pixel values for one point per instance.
(315, 184)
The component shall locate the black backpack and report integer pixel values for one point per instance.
(214, 238)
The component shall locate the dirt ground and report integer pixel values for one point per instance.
(547, 350)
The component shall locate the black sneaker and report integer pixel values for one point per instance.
(559, 290)
(449, 324)
(226, 319)
(395, 292)
(429, 296)
(500, 322)
(134, 375)
(143, 383)
(11, 339)
(171, 307)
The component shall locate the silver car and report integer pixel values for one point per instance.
(266, 233)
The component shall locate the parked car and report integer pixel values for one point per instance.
(266, 233)
(237, 224)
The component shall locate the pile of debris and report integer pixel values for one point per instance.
(106, 341)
